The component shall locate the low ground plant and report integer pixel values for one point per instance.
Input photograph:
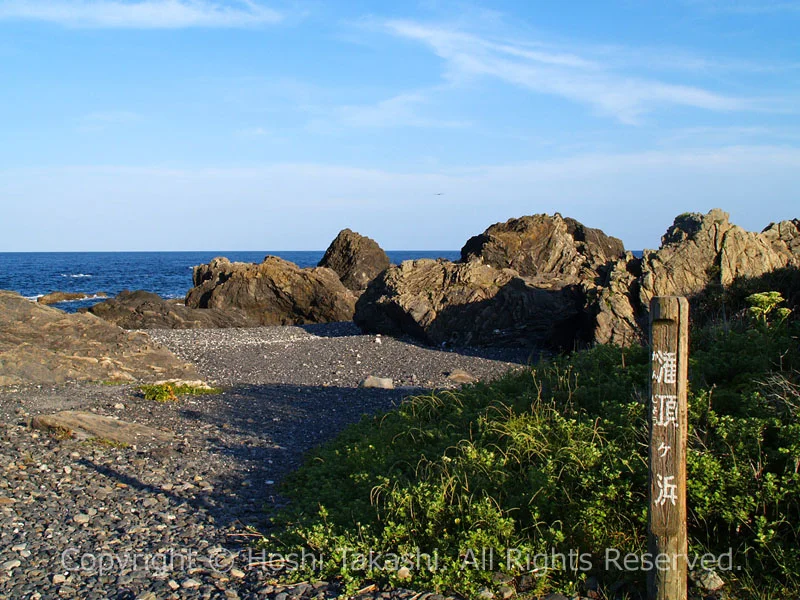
(169, 392)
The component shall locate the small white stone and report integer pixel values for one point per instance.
(119, 406)
(81, 518)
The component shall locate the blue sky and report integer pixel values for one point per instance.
(256, 125)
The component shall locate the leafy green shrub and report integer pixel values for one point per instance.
(169, 392)
(555, 457)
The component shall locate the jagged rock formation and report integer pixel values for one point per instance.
(355, 258)
(551, 281)
(43, 345)
(274, 292)
(696, 251)
(145, 310)
(440, 302)
(544, 246)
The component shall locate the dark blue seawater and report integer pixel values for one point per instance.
(168, 274)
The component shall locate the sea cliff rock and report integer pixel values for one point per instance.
(355, 258)
(43, 345)
(274, 292)
(544, 246)
(145, 310)
(463, 304)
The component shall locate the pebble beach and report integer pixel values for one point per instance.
(82, 519)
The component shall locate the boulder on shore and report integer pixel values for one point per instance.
(43, 345)
(145, 310)
(355, 258)
(274, 292)
(56, 297)
(544, 246)
(464, 304)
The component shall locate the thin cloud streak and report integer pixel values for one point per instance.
(145, 14)
(568, 75)
(397, 111)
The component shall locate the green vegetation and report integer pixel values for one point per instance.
(555, 457)
(169, 392)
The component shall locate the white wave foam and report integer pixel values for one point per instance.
(93, 297)
(75, 275)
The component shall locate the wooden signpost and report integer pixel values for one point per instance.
(669, 347)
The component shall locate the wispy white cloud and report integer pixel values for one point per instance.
(403, 110)
(565, 74)
(140, 14)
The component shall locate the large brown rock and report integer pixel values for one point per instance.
(466, 304)
(43, 345)
(355, 258)
(274, 292)
(544, 246)
(145, 310)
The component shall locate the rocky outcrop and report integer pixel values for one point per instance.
(355, 258)
(145, 310)
(550, 281)
(696, 252)
(701, 250)
(544, 246)
(274, 292)
(43, 345)
(462, 304)
(56, 297)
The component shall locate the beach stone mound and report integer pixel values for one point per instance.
(274, 292)
(86, 425)
(544, 246)
(355, 258)
(56, 297)
(145, 310)
(468, 304)
(43, 345)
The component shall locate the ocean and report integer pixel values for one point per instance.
(168, 274)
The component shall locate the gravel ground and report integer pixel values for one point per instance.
(89, 520)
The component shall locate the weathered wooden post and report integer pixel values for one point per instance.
(669, 347)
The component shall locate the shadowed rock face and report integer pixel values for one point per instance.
(438, 302)
(544, 246)
(145, 310)
(274, 292)
(42, 345)
(355, 258)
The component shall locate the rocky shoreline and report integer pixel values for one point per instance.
(286, 390)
